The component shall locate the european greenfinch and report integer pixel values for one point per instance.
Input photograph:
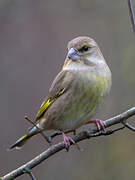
(76, 92)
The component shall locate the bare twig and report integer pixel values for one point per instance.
(60, 146)
(40, 130)
(131, 12)
(129, 126)
(28, 171)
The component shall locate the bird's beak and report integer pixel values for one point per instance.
(73, 54)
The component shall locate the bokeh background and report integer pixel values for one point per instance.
(33, 39)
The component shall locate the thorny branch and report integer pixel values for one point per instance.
(119, 119)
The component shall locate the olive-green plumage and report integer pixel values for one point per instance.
(77, 90)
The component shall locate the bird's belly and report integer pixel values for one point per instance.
(78, 104)
(82, 106)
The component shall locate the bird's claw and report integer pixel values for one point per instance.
(67, 140)
(99, 124)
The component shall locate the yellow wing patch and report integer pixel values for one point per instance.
(47, 104)
(43, 108)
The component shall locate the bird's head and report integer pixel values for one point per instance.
(83, 50)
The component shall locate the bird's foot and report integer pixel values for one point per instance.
(67, 140)
(99, 124)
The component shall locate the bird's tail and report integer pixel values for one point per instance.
(21, 141)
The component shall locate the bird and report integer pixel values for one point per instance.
(76, 93)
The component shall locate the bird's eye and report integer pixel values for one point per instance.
(85, 48)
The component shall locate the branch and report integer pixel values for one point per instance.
(131, 13)
(119, 119)
(28, 171)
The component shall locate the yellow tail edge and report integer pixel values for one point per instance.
(20, 142)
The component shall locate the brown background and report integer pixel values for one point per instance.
(33, 39)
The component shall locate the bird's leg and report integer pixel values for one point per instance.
(67, 140)
(57, 133)
(100, 126)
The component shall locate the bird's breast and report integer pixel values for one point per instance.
(84, 97)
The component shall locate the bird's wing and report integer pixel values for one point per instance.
(58, 87)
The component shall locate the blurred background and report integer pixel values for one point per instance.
(33, 40)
